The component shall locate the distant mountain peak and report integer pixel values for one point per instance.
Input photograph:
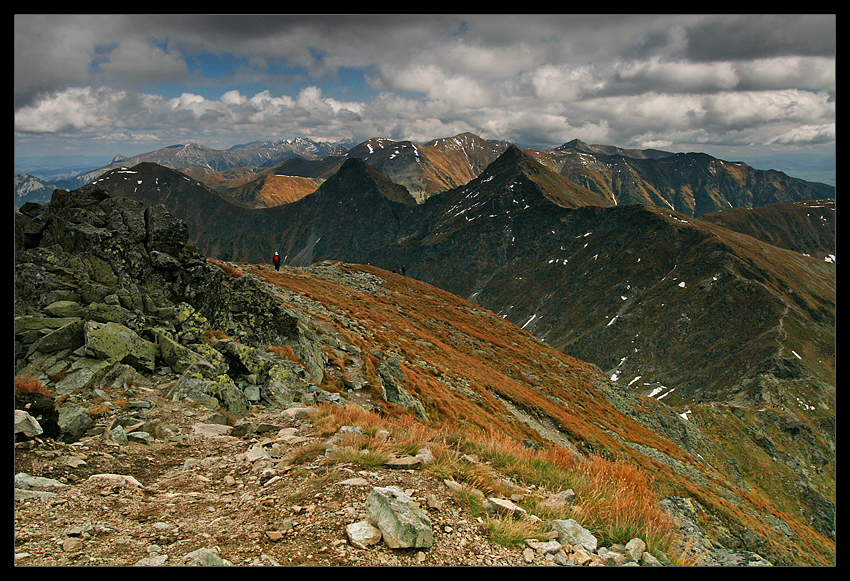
(356, 178)
(576, 144)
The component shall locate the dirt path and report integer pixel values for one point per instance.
(208, 492)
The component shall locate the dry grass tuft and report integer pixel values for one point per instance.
(26, 384)
(229, 270)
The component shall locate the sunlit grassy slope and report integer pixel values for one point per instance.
(472, 370)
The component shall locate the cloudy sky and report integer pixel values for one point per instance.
(726, 85)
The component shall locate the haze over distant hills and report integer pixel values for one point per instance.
(234, 169)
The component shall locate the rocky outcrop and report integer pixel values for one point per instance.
(106, 289)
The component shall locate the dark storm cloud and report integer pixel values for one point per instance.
(762, 36)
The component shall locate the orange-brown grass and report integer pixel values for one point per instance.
(617, 501)
(229, 270)
(448, 333)
(27, 384)
(470, 350)
(213, 336)
(285, 352)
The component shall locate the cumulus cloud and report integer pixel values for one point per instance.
(539, 80)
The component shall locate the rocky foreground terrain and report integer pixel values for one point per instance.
(272, 496)
(176, 410)
(240, 501)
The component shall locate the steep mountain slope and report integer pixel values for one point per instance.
(640, 291)
(223, 181)
(29, 188)
(805, 227)
(693, 184)
(414, 351)
(283, 183)
(273, 190)
(436, 166)
(336, 220)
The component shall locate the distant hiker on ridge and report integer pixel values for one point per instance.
(276, 261)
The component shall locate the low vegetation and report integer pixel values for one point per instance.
(613, 499)
(468, 367)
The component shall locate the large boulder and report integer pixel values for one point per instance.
(68, 336)
(117, 343)
(26, 425)
(571, 532)
(402, 523)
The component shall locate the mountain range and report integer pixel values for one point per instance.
(268, 173)
(200, 161)
(698, 282)
(632, 288)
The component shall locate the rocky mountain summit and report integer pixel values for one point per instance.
(211, 412)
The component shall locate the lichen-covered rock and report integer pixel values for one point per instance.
(64, 308)
(193, 387)
(231, 397)
(69, 336)
(117, 343)
(181, 358)
(283, 383)
(82, 373)
(105, 285)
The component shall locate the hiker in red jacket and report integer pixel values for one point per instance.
(276, 261)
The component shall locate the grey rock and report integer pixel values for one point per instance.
(117, 343)
(82, 374)
(391, 377)
(635, 548)
(231, 397)
(24, 481)
(69, 336)
(74, 420)
(26, 424)
(139, 437)
(208, 430)
(362, 534)
(402, 524)
(64, 309)
(571, 532)
(117, 435)
(204, 557)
